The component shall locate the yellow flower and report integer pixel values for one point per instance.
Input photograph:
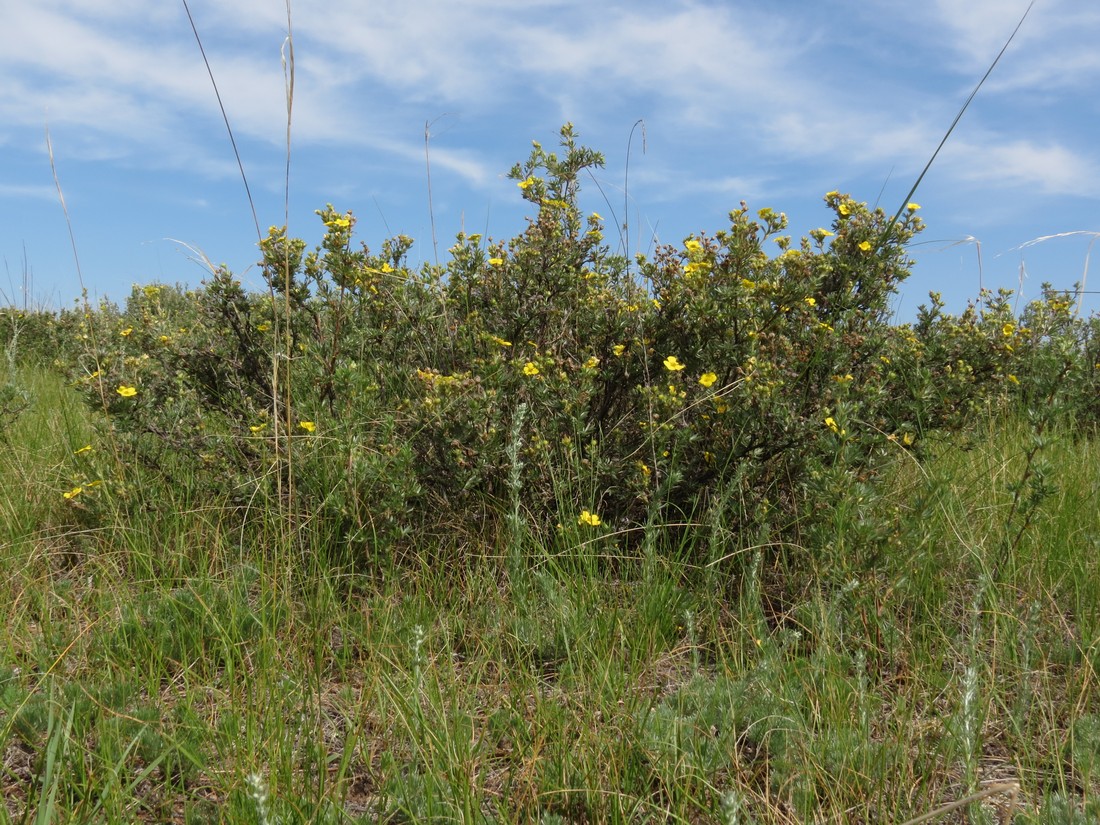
(258, 427)
(830, 422)
(308, 426)
(1013, 379)
(907, 439)
(526, 184)
(865, 246)
(842, 208)
(126, 331)
(530, 369)
(126, 392)
(810, 302)
(693, 247)
(747, 284)
(912, 207)
(597, 216)
(1008, 329)
(73, 493)
(592, 363)
(591, 519)
(87, 448)
(500, 341)
(707, 378)
(496, 261)
(339, 223)
(263, 327)
(672, 364)
(618, 350)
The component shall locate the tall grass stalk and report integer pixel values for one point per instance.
(943, 141)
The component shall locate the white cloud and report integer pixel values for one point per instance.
(128, 80)
(1048, 169)
(1054, 48)
(18, 191)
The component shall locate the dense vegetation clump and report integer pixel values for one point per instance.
(728, 446)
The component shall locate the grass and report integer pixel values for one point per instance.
(161, 669)
(929, 655)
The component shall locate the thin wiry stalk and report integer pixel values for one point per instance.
(908, 198)
(626, 183)
(978, 248)
(1081, 290)
(288, 76)
(101, 382)
(1010, 788)
(1019, 287)
(288, 70)
(225, 117)
(68, 222)
(428, 167)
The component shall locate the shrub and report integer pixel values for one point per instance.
(741, 380)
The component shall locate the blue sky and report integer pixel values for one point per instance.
(774, 104)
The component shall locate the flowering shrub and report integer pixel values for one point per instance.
(743, 376)
(948, 368)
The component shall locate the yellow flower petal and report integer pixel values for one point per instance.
(591, 519)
